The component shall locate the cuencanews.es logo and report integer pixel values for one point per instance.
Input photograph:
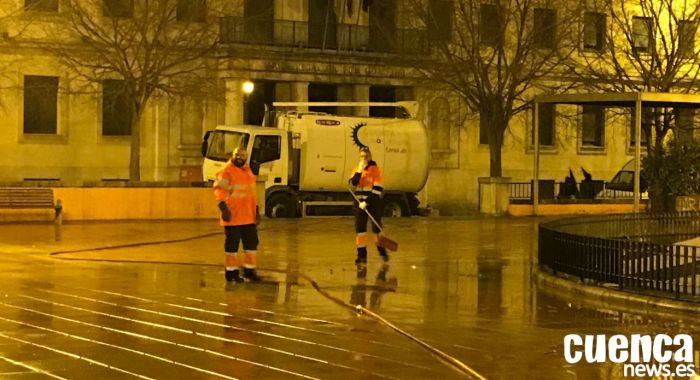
(642, 355)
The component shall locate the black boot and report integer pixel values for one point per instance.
(382, 253)
(233, 275)
(251, 275)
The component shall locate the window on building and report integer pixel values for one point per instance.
(191, 10)
(641, 34)
(545, 28)
(258, 25)
(483, 129)
(440, 22)
(686, 38)
(382, 26)
(592, 126)
(254, 110)
(439, 124)
(118, 8)
(116, 109)
(546, 127)
(594, 30)
(41, 5)
(40, 104)
(323, 92)
(647, 121)
(323, 24)
(489, 25)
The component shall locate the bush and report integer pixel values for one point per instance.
(674, 172)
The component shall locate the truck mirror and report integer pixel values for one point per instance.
(205, 143)
(255, 167)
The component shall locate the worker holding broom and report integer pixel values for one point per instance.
(234, 190)
(367, 180)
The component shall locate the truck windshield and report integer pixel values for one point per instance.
(222, 143)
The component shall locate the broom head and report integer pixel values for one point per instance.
(387, 243)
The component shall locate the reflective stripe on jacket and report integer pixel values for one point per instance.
(369, 182)
(236, 187)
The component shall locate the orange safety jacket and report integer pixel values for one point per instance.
(368, 184)
(236, 187)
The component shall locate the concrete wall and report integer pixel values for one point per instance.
(136, 203)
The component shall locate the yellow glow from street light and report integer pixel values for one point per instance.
(248, 87)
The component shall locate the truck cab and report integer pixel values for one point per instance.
(266, 154)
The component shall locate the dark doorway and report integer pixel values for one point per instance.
(254, 110)
(323, 92)
(382, 94)
(258, 21)
(382, 26)
(322, 24)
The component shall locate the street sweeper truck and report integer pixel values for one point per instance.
(306, 158)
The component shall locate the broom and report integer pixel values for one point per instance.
(382, 239)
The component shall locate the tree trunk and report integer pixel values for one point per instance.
(135, 151)
(496, 130)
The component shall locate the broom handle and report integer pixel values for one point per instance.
(381, 231)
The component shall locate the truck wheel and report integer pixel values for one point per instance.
(282, 205)
(394, 208)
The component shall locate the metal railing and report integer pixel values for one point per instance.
(643, 253)
(551, 191)
(302, 34)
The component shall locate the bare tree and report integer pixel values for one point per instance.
(152, 47)
(647, 45)
(495, 55)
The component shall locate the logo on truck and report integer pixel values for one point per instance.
(356, 135)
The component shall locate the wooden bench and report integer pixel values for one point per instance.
(29, 204)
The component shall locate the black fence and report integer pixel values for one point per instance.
(331, 36)
(551, 191)
(645, 253)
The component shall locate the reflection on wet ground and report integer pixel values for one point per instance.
(461, 285)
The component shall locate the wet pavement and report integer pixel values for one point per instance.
(463, 286)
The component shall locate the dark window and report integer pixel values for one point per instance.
(191, 10)
(641, 34)
(489, 24)
(382, 94)
(266, 149)
(594, 30)
(40, 104)
(382, 26)
(546, 116)
(322, 92)
(323, 24)
(254, 111)
(686, 38)
(116, 109)
(440, 21)
(592, 126)
(647, 121)
(118, 8)
(545, 28)
(41, 5)
(258, 26)
(483, 129)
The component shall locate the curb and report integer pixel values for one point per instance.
(653, 304)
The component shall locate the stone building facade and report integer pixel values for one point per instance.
(293, 50)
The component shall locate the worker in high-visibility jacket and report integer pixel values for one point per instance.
(234, 190)
(369, 189)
